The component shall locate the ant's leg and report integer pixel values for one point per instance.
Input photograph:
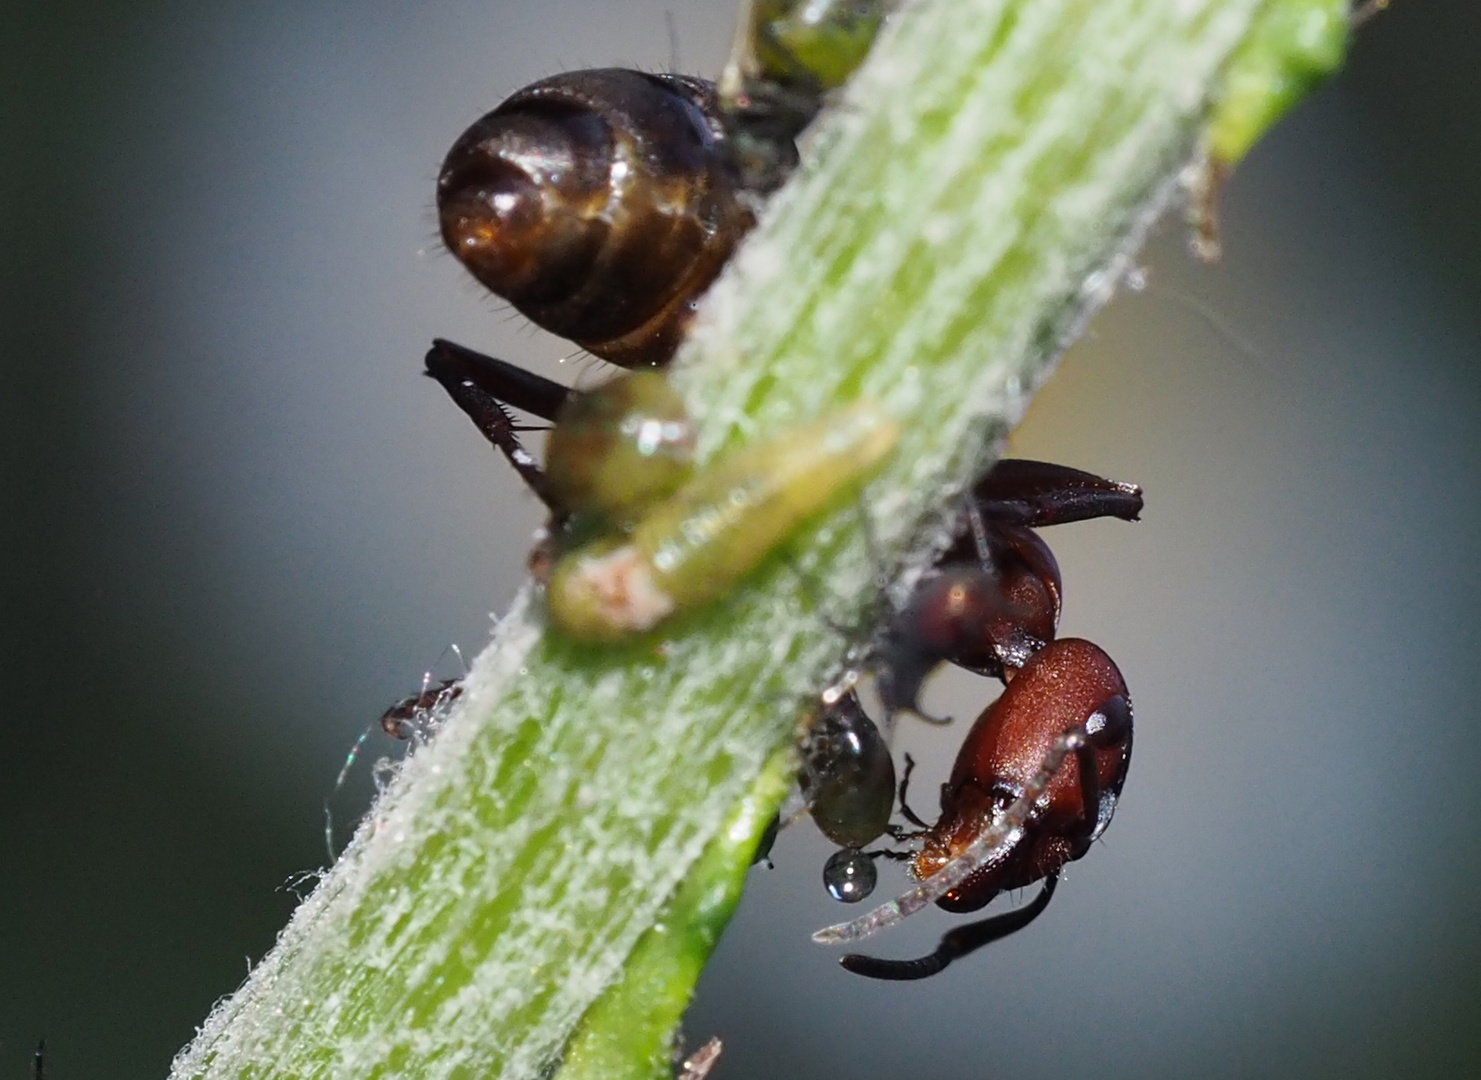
(909, 814)
(889, 854)
(955, 944)
(1037, 493)
(466, 385)
(504, 382)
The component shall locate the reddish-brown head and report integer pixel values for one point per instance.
(1068, 684)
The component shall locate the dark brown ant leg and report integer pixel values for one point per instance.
(467, 384)
(909, 814)
(890, 854)
(956, 943)
(1038, 493)
(506, 383)
(899, 684)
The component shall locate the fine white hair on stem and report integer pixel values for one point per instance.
(995, 841)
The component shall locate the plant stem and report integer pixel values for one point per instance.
(971, 201)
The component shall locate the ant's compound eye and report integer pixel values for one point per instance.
(620, 446)
(849, 875)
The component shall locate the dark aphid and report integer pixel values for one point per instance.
(413, 716)
(993, 598)
(787, 57)
(619, 446)
(848, 775)
(1035, 783)
(598, 204)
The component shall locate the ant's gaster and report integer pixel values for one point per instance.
(597, 203)
(993, 598)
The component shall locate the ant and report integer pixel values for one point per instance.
(989, 604)
(1016, 808)
(515, 198)
(1034, 785)
(603, 203)
(599, 204)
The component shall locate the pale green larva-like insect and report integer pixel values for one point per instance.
(691, 548)
(616, 448)
(1291, 48)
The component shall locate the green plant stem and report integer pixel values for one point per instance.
(974, 198)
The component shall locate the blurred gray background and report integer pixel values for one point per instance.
(238, 523)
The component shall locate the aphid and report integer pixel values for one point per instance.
(619, 447)
(788, 55)
(993, 598)
(1034, 785)
(415, 716)
(848, 775)
(598, 204)
(689, 549)
(613, 448)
